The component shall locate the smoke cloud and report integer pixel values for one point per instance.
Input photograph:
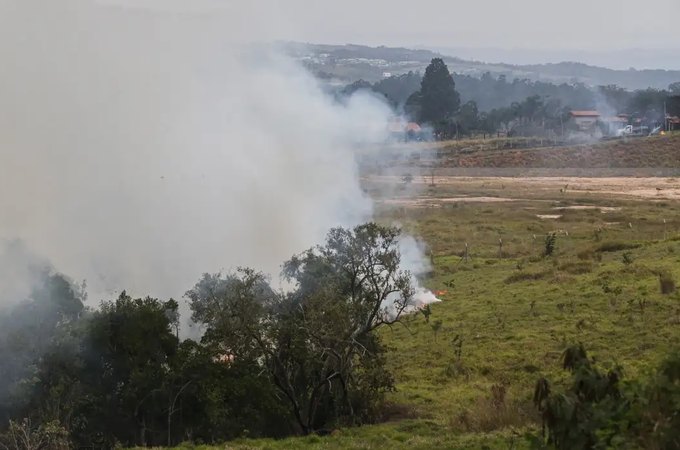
(140, 148)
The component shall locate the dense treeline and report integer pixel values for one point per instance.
(270, 363)
(524, 107)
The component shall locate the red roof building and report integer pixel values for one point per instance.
(585, 121)
(585, 114)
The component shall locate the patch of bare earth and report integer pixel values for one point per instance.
(642, 188)
(424, 202)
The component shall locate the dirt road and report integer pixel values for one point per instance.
(641, 188)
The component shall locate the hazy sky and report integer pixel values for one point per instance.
(531, 24)
(573, 24)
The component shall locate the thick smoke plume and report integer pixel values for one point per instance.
(139, 148)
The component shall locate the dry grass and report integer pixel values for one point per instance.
(656, 152)
(495, 412)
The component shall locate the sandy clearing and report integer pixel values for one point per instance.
(438, 202)
(602, 209)
(549, 216)
(643, 187)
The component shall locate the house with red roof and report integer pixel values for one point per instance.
(585, 121)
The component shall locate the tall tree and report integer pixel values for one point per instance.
(317, 343)
(439, 100)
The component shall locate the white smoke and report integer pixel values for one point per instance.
(140, 148)
(412, 257)
(20, 270)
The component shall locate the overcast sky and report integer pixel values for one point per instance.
(562, 27)
(546, 24)
(535, 24)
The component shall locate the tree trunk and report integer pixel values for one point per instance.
(142, 433)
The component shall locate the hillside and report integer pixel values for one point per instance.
(661, 152)
(348, 63)
(656, 152)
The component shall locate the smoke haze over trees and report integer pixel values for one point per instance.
(141, 147)
(271, 363)
(490, 104)
(347, 63)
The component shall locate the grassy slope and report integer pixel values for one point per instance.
(657, 152)
(514, 332)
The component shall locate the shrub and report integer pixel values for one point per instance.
(549, 246)
(666, 283)
(597, 410)
(627, 258)
(494, 412)
(26, 436)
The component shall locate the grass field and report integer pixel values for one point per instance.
(465, 378)
(648, 152)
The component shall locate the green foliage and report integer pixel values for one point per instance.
(627, 258)
(26, 436)
(666, 283)
(446, 396)
(28, 330)
(549, 244)
(437, 97)
(436, 327)
(573, 420)
(107, 383)
(598, 411)
(317, 343)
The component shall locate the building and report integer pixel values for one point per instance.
(585, 121)
(613, 125)
(672, 123)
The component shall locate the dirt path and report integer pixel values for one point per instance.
(642, 188)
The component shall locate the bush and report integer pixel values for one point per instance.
(550, 241)
(26, 436)
(494, 412)
(597, 410)
(666, 283)
(627, 258)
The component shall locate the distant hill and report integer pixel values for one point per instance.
(596, 76)
(348, 63)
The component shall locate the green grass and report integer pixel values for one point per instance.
(419, 435)
(515, 315)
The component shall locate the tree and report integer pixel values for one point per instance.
(468, 118)
(316, 343)
(28, 330)
(127, 353)
(438, 97)
(397, 89)
(359, 85)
